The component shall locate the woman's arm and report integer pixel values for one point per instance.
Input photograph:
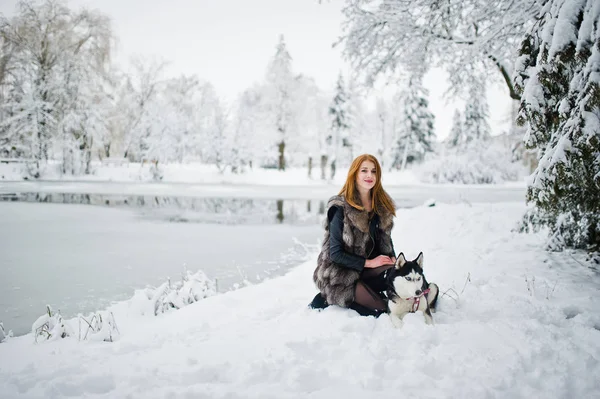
(393, 254)
(337, 252)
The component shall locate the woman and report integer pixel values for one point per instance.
(357, 248)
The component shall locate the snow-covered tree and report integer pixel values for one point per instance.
(340, 124)
(222, 145)
(558, 78)
(280, 88)
(53, 63)
(312, 124)
(381, 122)
(247, 122)
(476, 128)
(138, 94)
(415, 132)
(356, 112)
(384, 38)
(184, 120)
(84, 116)
(455, 137)
(181, 104)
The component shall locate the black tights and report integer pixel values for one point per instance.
(367, 301)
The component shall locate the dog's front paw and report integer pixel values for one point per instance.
(396, 321)
(428, 318)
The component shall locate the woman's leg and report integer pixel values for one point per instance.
(367, 302)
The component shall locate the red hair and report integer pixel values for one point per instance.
(379, 198)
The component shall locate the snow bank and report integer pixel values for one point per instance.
(521, 323)
(479, 165)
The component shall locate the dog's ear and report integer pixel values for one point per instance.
(419, 260)
(400, 261)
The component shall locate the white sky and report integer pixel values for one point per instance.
(230, 42)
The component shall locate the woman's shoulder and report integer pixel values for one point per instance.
(335, 203)
(336, 200)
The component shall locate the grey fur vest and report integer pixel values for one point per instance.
(336, 282)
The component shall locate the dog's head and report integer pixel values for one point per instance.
(406, 278)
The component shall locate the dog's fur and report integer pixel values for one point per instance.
(405, 282)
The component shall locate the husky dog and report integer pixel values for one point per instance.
(406, 286)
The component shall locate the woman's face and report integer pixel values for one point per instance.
(366, 176)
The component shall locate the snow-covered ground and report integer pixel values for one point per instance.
(525, 323)
(204, 181)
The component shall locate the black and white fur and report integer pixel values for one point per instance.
(406, 283)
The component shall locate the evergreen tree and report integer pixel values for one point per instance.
(455, 137)
(381, 128)
(475, 125)
(280, 82)
(416, 130)
(338, 110)
(558, 78)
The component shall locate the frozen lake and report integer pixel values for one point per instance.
(79, 251)
(79, 258)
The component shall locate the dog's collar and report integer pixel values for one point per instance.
(417, 301)
(391, 293)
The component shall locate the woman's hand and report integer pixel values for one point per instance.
(378, 261)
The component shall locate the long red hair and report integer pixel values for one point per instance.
(379, 198)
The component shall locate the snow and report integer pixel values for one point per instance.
(524, 323)
(481, 163)
(564, 32)
(586, 29)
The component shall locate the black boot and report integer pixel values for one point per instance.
(318, 302)
(365, 311)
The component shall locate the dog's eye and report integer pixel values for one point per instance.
(408, 278)
(419, 279)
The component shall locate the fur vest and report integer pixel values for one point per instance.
(337, 283)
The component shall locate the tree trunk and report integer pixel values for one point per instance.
(280, 211)
(281, 155)
(405, 155)
(88, 156)
(333, 169)
(72, 160)
(310, 167)
(323, 166)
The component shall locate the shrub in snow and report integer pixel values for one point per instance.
(192, 288)
(558, 78)
(569, 227)
(156, 171)
(51, 326)
(4, 335)
(475, 164)
(100, 326)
